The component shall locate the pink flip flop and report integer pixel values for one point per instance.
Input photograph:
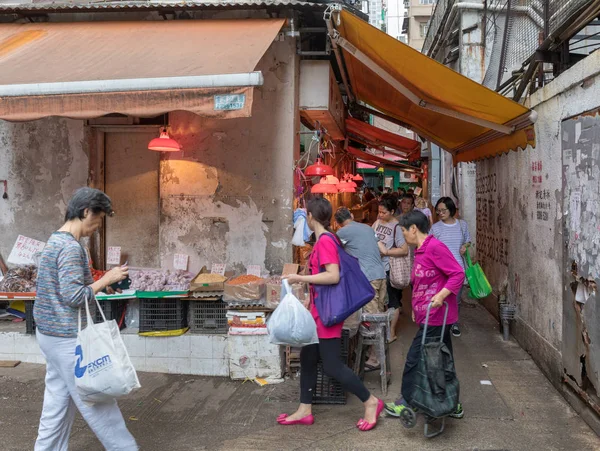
(306, 421)
(363, 425)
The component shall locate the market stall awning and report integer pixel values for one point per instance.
(376, 160)
(381, 139)
(89, 69)
(460, 115)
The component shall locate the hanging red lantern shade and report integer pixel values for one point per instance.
(164, 143)
(324, 188)
(357, 178)
(319, 168)
(330, 180)
(346, 187)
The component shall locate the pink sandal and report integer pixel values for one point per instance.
(306, 421)
(364, 425)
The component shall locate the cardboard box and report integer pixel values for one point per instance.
(300, 290)
(245, 292)
(196, 285)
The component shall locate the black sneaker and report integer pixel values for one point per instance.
(455, 330)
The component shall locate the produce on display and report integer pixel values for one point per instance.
(245, 288)
(241, 280)
(21, 279)
(210, 278)
(158, 280)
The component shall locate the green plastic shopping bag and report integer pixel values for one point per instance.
(480, 287)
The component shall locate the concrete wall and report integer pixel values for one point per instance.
(44, 162)
(520, 238)
(226, 198)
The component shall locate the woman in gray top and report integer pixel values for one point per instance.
(64, 284)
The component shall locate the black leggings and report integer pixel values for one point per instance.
(330, 352)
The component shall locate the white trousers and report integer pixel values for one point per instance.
(61, 399)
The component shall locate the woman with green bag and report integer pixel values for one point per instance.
(454, 233)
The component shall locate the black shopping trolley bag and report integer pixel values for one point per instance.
(435, 391)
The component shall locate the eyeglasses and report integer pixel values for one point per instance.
(439, 212)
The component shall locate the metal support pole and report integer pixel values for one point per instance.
(338, 55)
(504, 46)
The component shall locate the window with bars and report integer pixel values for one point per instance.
(423, 27)
(427, 2)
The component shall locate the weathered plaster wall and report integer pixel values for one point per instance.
(519, 228)
(44, 162)
(228, 197)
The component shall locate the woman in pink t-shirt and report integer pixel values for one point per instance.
(324, 266)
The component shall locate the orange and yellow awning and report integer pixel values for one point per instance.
(461, 116)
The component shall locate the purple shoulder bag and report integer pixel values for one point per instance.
(337, 302)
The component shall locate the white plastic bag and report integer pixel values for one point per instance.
(103, 370)
(291, 324)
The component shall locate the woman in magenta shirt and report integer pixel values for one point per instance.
(436, 278)
(324, 266)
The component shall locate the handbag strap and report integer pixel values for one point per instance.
(335, 240)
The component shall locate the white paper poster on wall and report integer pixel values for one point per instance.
(180, 261)
(113, 255)
(575, 211)
(24, 251)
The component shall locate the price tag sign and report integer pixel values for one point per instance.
(24, 250)
(113, 255)
(418, 191)
(218, 268)
(180, 261)
(253, 270)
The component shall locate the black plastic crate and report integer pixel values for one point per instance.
(328, 390)
(112, 309)
(29, 321)
(162, 314)
(208, 317)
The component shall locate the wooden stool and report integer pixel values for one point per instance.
(376, 335)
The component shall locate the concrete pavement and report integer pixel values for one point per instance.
(520, 410)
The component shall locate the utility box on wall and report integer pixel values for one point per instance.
(320, 98)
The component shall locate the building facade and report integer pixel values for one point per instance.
(419, 13)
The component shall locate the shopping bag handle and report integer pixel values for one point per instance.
(468, 256)
(90, 320)
(427, 322)
(285, 288)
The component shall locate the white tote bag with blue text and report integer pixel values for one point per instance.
(103, 369)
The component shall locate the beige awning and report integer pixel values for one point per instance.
(89, 69)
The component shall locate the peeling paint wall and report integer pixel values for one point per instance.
(519, 218)
(228, 197)
(44, 162)
(580, 138)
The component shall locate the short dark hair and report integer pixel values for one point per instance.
(389, 203)
(415, 218)
(409, 196)
(449, 204)
(88, 198)
(342, 215)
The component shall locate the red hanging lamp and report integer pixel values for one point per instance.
(324, 188)
(319, 168)
(357, 178)
(330, 180)
(164, 143)
(346, 187)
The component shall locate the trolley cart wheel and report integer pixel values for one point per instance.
(408, 418)
(429, 421)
